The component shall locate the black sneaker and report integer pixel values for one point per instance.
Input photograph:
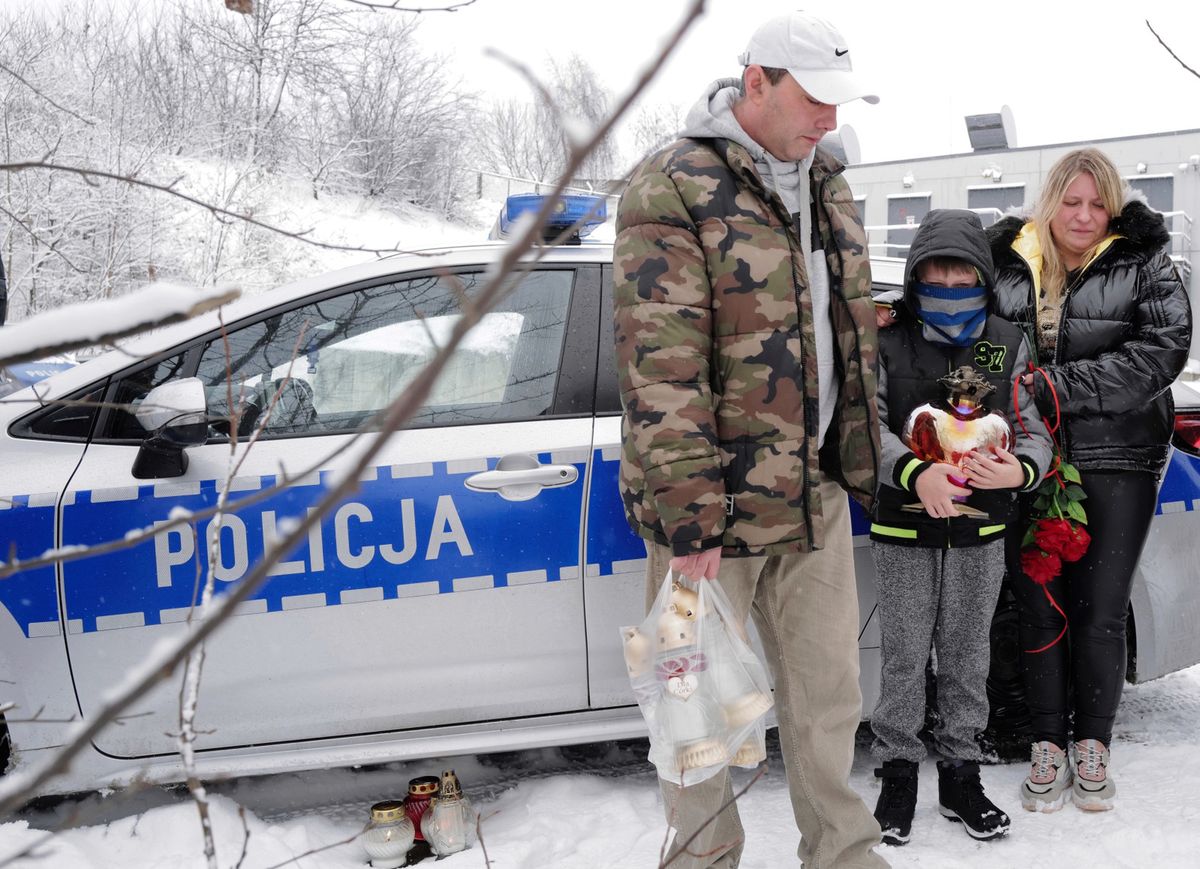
(897, 800)
(961, 798)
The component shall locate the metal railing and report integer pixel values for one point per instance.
(1179, 225)
(494, 185)
(899, 249)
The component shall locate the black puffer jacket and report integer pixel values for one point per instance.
(1123, 337)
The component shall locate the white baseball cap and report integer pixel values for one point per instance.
(812, 50)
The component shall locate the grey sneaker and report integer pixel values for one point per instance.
(1046, 787)
(1093, 790)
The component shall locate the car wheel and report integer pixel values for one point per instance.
(5, 745)
(1007, 733)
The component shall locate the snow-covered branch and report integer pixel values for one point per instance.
(80, 325)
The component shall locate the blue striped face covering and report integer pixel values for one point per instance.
(951, 315)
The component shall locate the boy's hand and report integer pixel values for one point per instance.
(936, 489)
(1000, 470)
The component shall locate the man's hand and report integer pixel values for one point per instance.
(1000, 470)
(885, 315)
(698, 565)
(937, 490)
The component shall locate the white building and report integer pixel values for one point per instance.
(894, 195)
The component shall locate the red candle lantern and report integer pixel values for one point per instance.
(420, 791)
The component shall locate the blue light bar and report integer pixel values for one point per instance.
(29, 373)
(583, 212)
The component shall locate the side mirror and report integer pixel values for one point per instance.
(175, 415)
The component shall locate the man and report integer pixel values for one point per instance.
(745, 338)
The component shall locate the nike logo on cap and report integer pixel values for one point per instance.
(840, 53)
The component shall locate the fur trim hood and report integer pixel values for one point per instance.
(1142, 231)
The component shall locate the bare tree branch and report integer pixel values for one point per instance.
(1170, 52)
(61, 108)
(328, 847)
(683, 848)
(395, 6)
(487, 863)
(50, 246)
(89, 176)
(245, 837)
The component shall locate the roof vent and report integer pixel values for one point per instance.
(843, 144)
(992, 132)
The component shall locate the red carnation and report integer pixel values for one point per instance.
(1062, 537)
(1040, 566)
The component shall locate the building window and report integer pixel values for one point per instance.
(991, 201)
(904, 210)
(1159, 190)
(860, 203)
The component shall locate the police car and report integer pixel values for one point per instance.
(466, 598)
(15, 377)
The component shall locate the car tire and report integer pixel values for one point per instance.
(1008, 731)
(5, 745)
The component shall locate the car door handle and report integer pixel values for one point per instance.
(520, 477)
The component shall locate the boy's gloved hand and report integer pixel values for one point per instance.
(936, 487)
(999, 470)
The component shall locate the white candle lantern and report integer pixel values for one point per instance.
(390, 835)
(449, 823)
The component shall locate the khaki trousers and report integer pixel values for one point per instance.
(805, 607)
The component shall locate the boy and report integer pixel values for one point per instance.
(939, 568)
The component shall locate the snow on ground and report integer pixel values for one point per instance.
(599, 807)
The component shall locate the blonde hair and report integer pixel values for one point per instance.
(1112, 193)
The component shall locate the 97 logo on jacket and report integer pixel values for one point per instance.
(990, 356)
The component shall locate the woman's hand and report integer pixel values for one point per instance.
(1000, 470)
(937, 489)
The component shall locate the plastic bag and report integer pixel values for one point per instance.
(702, 690)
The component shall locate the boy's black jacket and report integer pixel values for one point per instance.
(910, 367)
(913, 366)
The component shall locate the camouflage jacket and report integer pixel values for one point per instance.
(716, 354)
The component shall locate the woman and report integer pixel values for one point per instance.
(1088, 277)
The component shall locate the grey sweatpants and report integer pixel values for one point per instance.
(944, 599)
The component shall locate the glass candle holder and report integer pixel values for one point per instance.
(449, 824)
(420, 791)
(390, 835)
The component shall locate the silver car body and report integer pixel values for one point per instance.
(450, 605)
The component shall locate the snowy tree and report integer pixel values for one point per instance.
(227, 109)
(531, 140)
(654, 127)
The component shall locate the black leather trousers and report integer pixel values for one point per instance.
(1081, 676)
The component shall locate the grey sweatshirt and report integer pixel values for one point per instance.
(712, 118)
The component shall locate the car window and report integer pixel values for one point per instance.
(329, 366)
(67, 419)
